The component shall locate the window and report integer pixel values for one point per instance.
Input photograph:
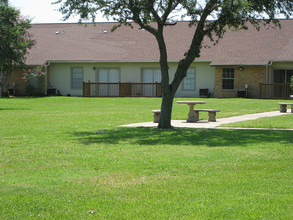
(228, 78)
(189, 80)
(108, 75)
(151, 75)
(76, 78)
(282, 75)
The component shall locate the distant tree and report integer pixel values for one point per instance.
(153, 15)
(3, 1)
(15, 41)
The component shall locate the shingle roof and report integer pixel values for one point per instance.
(74, 42)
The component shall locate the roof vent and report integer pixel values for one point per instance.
(170, 22)
(102, 31)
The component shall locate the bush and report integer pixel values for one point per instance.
(31, 91)
(4, 94)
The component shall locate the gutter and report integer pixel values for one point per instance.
(117, 61)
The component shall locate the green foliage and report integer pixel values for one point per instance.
(292, 82)
(31, 91)
(36, 72)
(15, 41)
(14, 37)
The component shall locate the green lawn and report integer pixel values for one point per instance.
(62, 157)
(281, 122)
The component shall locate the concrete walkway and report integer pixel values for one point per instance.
(214, 125)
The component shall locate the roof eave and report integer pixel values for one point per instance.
(119, 61)
(238, 64)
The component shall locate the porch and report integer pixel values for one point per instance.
(275, 91)
(119, 89)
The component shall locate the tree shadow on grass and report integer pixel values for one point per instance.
(12, 109)
(182, 136)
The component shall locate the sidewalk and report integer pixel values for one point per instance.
(214, 125)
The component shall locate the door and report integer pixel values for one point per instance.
(108, 76)
(282, 76)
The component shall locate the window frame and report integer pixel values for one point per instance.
(71, 78)
(230, 72)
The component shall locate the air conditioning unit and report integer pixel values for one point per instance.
(51, 92)
(241, 94)
(204, 92)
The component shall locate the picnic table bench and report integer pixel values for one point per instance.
(156, 115)
(212, 114)
(283, 106)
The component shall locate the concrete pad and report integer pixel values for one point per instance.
(213, 125)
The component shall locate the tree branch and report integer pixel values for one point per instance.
(169, 9)
(136, 11)
(195, 47)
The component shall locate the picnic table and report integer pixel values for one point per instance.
(191, 114)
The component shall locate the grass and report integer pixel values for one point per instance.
(279, 122)
(65, 158)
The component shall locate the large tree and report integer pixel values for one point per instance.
(211, 18)
(15, 41)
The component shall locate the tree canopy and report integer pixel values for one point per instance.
(15, 41)
(211, 17)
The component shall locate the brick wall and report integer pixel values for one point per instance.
(20, 84)
(250, 75)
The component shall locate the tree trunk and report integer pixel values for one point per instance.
(3, 83)
(166, 111)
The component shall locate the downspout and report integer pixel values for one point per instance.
(268, 71)
(46, 77)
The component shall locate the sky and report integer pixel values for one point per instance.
(42, 11)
